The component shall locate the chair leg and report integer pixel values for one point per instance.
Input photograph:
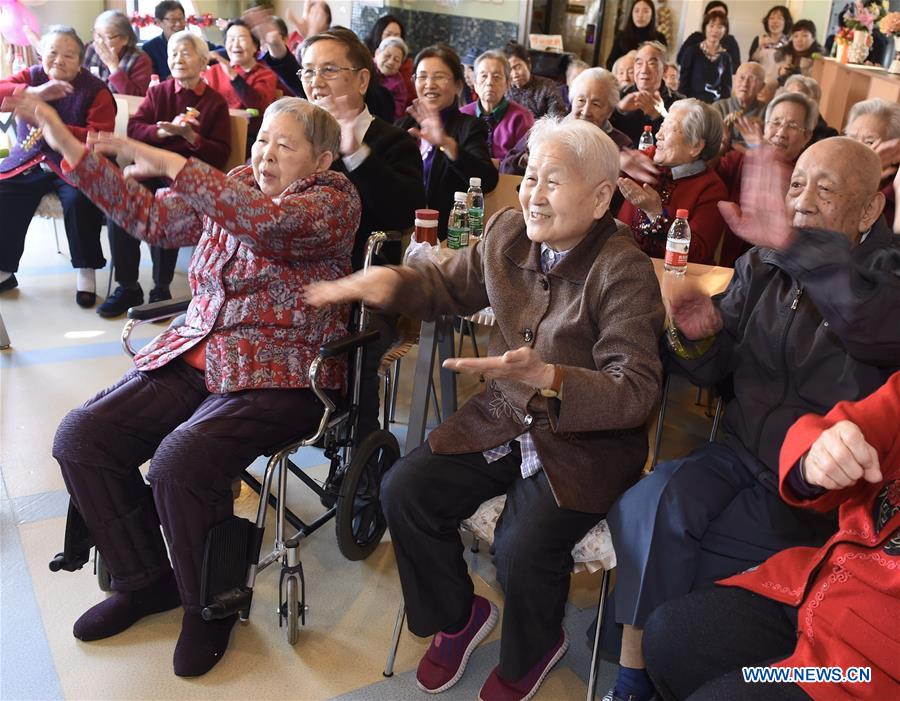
(434, 403)
(387, 409)
(595, 654)
(660, 418)
(395, 640)
(56, 236)
(394, 390)
(716, 420)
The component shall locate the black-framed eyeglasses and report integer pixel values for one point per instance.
(327, 72)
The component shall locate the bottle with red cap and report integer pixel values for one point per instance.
(427, 226)
(154, 80)
(678, 244)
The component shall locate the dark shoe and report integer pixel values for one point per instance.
(201, 644)
(497, 689)
(9, 283)
(125, 608)
(445, 660)
(120, 300)
(159, 294)
(85, 299)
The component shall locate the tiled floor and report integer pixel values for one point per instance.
(61, 355)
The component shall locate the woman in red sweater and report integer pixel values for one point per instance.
(115, 58)
(689, 137)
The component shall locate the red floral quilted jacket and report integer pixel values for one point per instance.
(253, 255)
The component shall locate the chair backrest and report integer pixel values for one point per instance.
(504, 195)
(121, 126)
(239, 125)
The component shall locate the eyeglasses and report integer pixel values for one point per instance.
(437, 78)
(326, 72)
(173, 20)
(777, 124)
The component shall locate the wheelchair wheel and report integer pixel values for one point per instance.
(104, 580)
(359, 522)
(292, 591)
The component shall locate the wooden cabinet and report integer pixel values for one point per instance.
(843, 85)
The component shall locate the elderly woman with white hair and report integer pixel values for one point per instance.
(389, 57)
(207, 397)
(561, 426)
(507, 121)
(810, 87)
(183, 115)
(874, 122)
(114, 56)
(690, 136)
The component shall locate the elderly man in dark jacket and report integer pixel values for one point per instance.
(811, 317)
(561, 426)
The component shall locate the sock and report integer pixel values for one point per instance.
(633, 684)
(4, 276)
(86, 280)
(201, 644)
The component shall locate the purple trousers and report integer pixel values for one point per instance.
(197, 442)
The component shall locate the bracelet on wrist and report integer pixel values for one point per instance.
(684, 347)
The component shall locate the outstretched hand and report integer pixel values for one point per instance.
(522, 364)
(33, 110)
(374, 287)
(645, 197)
(147, 161)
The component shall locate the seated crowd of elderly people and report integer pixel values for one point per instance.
(809, 319)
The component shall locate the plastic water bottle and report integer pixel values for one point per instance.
(154, 80)
(476, 207)
(646, 141)
(458, 225)
(678, 244)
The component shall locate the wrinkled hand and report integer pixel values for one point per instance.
(147, 161)
(690, 308)
(645, 197)
(183, 126)
(374, 287)
(522, 364)
(889, 153)
(637, 166)
(33, 110)
(750, 130)
(313, 20)
(840, 457)
(761, 219)
(226, 64)
(640, 100)
(106, 53)
(345, 114)
(51, 90)
(431, 128)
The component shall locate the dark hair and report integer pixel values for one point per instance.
(633, 35)
(281, 26)
(710, 6)
(785, 13)
(715, 16)
(447, 55)
(514, 48)
(373, 38)
(806, 24)
(167, 6)
(242, 23)
(357, 53)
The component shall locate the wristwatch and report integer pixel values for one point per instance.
(554, 389)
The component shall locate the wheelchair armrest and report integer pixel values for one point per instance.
(348, 343)
(159, 310)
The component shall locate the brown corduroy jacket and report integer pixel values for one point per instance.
(597, 313)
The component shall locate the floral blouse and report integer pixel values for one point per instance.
(253, 255)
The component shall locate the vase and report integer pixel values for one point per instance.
(843, 51)
(895, 66)
(859, 49)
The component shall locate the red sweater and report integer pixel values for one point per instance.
(848, 591)
(254, 89)
(166, 101)
(699, 194)
(134, 82)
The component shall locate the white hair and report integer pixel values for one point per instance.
(700, 122)
(756, 69)
(808, 86)
(187, 36)
(888, 111)
(494, 55)
(798, 98)
(592, 150)
(394, 41)
(604, 77)
(319, 127)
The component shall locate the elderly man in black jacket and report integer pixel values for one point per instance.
(811, 317)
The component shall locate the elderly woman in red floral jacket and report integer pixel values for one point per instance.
(690, 136)
(207, 397)
(835, 606)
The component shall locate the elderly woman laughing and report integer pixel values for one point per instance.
(561, 426)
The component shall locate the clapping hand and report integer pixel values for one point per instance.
(51, 90)
(636, 165)
(690, 308)
(373, 286)
(226, 64)
(645, 197)
(841, 457)
(431, 128)
(750, 130)
(183, 126)
(522, 364)
(340, 108)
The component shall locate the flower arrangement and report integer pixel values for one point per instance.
(844, 35)
(890, 24)
(863, 17)
(202, 21)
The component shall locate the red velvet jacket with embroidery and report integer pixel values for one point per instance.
(848, 591)
(253, 255)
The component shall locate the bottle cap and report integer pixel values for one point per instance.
(252, 112)
(460, 197)
(681, 213)
(647, 127)
(428, 214)
(474, 182)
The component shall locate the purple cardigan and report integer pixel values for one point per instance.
(516, 122)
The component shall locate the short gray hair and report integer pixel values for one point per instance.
(67, 31)
(320, 128)
(119, 21)
(394, 41)
(808, 86)
(798, 98)
(657, 46)
(757, 70)
(576, 64)
(186, 35)
(888, 111)
(601, 75)
(492, 54)
(700, 123)
(592, 150)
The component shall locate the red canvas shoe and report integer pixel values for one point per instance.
(497, 689)
(445, 661)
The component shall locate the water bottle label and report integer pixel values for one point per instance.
(677, 253)
(457, 238)
(475, 221)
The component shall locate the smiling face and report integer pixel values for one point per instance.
(174, 21)
(435, 85)
(240, 46)
(775, 23)
(282, 155)
(389, 60)
(519, 72)
(802, 40)
(184, 62)
(559, 204)
(590, 101)
(490, 82)
(347, 84)
(61, 57)
(786, 131)
(648, 69)
(672, 148)
(641, 14)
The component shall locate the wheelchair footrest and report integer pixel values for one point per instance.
(69, 563)
(228, 603)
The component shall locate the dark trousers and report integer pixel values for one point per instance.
(20, 196)
(425, 496)
(696, 646)
(197, 442)
(126, 252)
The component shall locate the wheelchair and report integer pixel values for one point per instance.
(350, 494)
